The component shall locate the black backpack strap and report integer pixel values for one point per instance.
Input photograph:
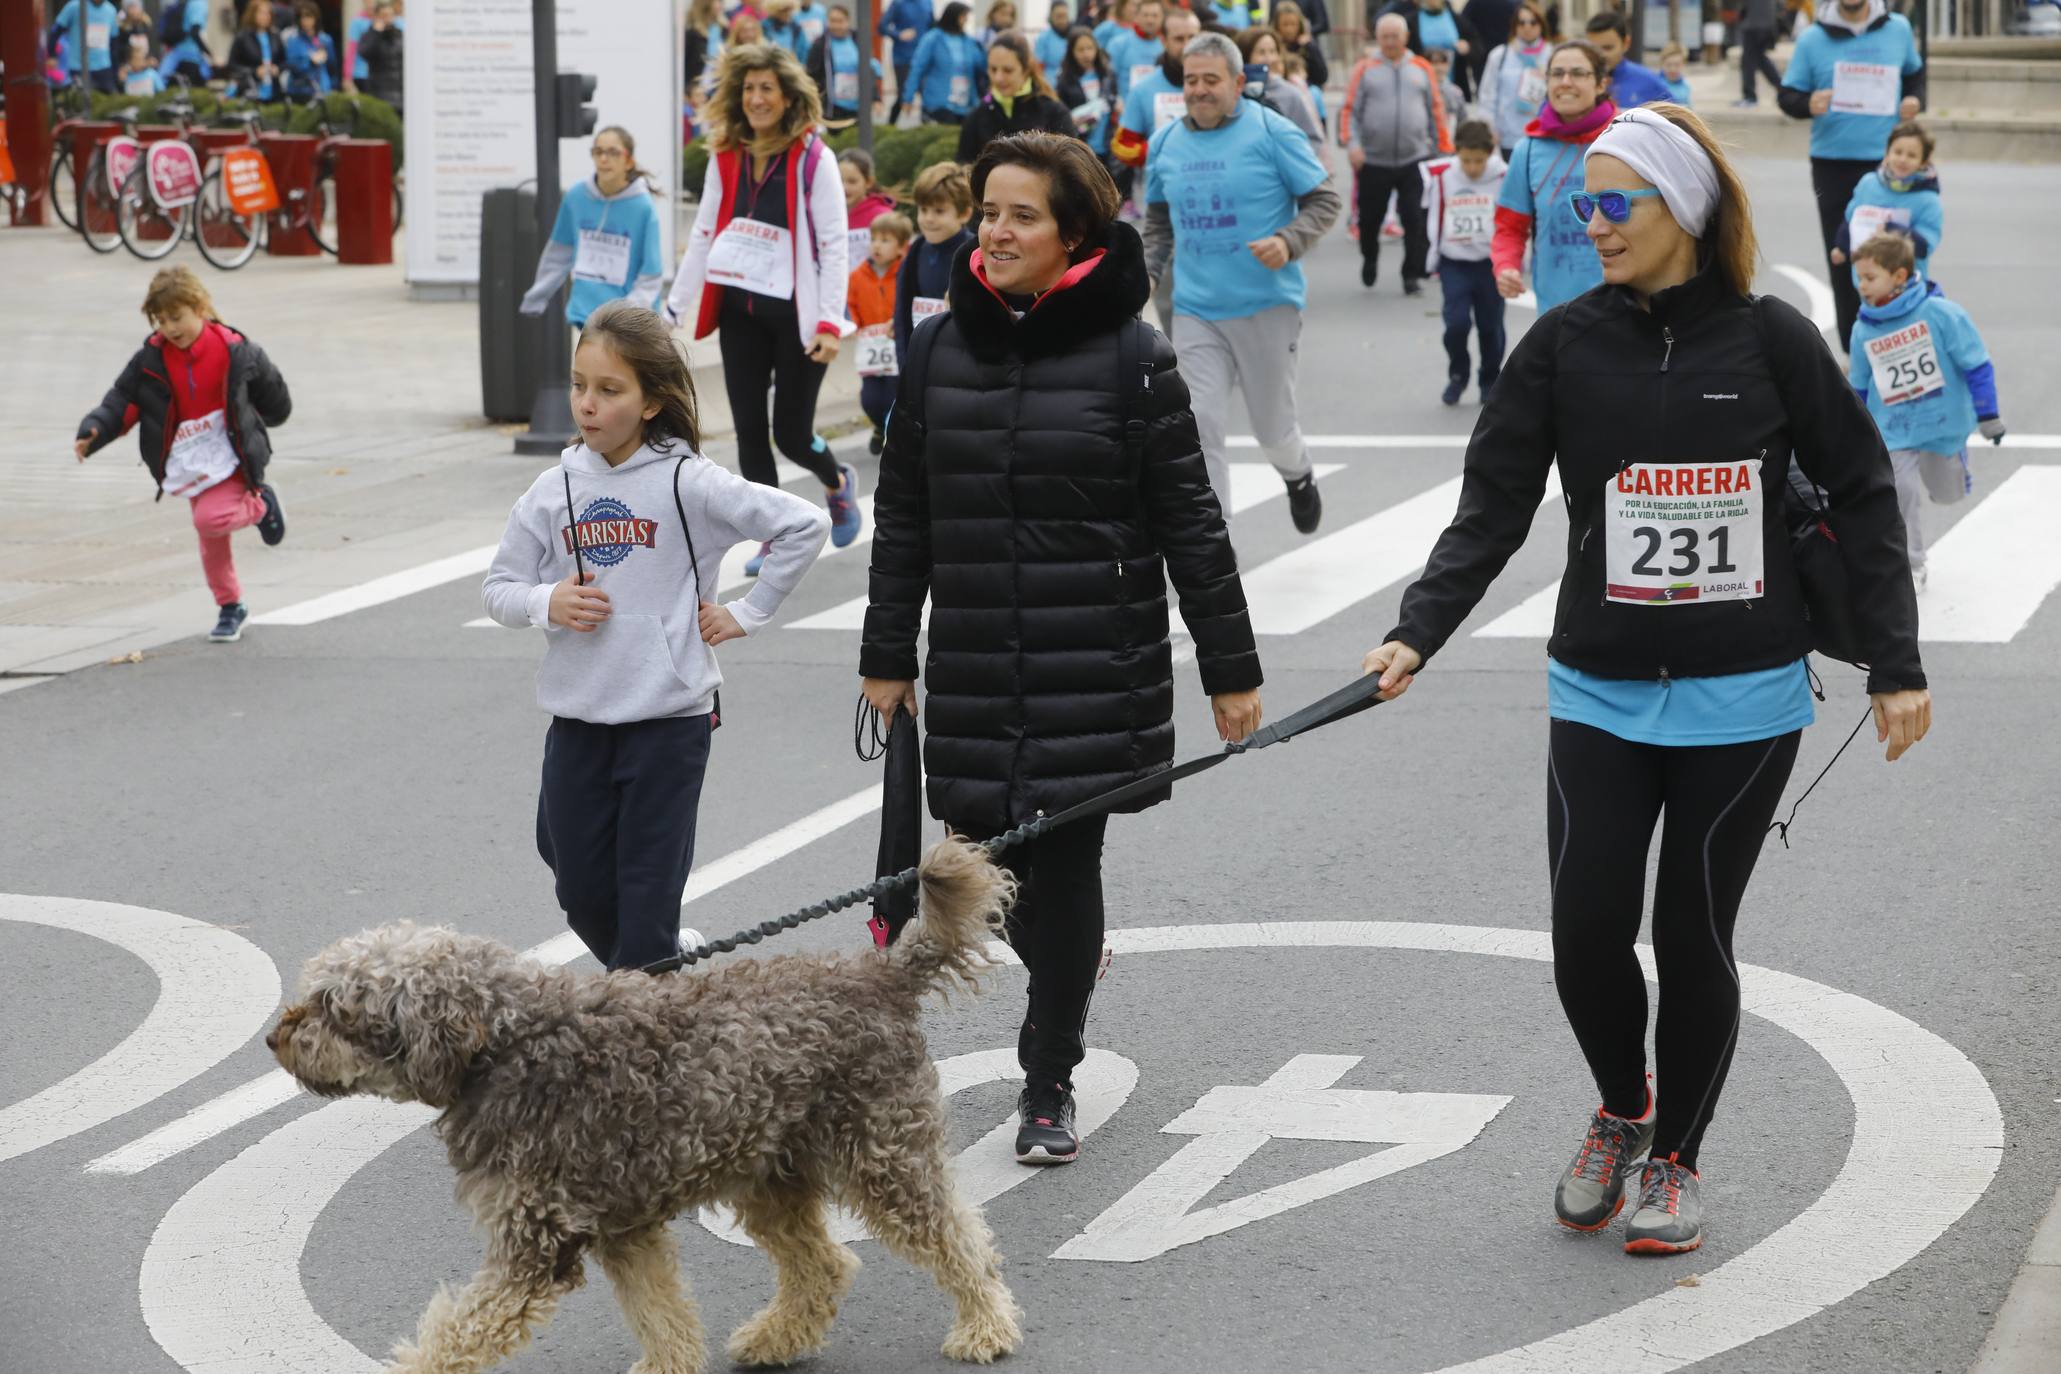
(715, 719)
(915, 373)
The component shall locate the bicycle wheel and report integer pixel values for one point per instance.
(97, 222)
(64, 190)
(225, 238)
(321, 205)
(148, 230)
(397, 200)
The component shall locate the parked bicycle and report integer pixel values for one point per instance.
(322, 220)
(71, 104)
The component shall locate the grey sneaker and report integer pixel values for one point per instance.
(1669, 1219)
(1592, 1189)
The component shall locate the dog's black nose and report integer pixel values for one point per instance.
(272, 1039)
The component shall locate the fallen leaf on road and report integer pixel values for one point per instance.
(1688, 1281)
(135, 656)
(339, 472)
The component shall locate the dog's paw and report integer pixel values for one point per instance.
(774, 1338)
(985, 1339)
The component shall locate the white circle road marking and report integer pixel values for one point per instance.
(215, 991)
(221, 1289)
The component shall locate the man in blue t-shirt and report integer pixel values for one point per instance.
(101, 21)
(1855, 75)
(1234, 196)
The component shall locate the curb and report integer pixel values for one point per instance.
(2026, 1336)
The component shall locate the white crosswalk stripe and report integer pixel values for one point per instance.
(1252, 484)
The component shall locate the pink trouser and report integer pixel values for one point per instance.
(218, 512)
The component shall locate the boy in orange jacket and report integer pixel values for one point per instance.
(870, 301)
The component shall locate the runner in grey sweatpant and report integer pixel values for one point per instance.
(1253, 199)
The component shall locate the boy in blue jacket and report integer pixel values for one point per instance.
(944, 203)
(1921, 369)
(1901, 196)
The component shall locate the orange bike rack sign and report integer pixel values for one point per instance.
(247, 177)
(6, 160)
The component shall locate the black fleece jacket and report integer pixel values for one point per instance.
(1705, 375)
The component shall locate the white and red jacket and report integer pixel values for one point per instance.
(1443, 176)
(816, 214)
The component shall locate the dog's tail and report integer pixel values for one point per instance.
(964, 898)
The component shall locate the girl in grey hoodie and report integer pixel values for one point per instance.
(615, 554)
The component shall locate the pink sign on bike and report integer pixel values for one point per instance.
(174, 174)
(123, 153)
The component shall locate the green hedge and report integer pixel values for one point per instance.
(898, 154)
(376, 118)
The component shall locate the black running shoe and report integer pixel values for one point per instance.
(1305, 504)
(229, 627)
(1046, 1135)
(272, 525)
(1411, 287)
(1454, 387)
(1367, 272)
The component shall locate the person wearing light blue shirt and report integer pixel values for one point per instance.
(1920, 367)
(1855, 73)
(606, 238)
(102, 19)
(1050, 47)
(905, 21)
(949, 73)
(1233, 198)
(1135, 52)
(1230, 14)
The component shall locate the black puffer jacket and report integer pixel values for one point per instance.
(1028, 113)
(1704, 376)
(143, 395)
(1044, 543)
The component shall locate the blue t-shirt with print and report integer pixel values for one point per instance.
(1563, 261)
(1918, 213)
(633, 218)
(1050, 50)
(100, 24)
(1224, 188)
(1815, 66)
(1732, 708)
(1130, 51)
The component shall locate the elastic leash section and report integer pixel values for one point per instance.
(1349, 700)
(1781, 828)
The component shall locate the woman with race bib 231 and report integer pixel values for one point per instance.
(1672, 402)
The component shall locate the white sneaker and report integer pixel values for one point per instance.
(690, 940)
(1918, 577)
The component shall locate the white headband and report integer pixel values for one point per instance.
(1664, 154)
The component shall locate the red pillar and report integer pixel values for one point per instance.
(28, 102)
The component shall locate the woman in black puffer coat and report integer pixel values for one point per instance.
(1041, 481)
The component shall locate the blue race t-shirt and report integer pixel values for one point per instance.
(1916, 213)
(1152, 105)
(1224, 188)
(1910, 361)
(1437, 30)
(1865, 74)
(1050, 50)
(1563, 261)
(1733, 708)
(100, 26)
(1132, 58)
(615, 241)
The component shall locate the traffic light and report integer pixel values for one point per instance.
(576, 118)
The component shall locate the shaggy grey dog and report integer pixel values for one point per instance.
(586, 1111)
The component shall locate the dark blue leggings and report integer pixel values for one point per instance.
(1470, 291)
(877, 397)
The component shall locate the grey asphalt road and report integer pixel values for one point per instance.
(314, 780)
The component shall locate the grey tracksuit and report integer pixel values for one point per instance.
(1394, 121)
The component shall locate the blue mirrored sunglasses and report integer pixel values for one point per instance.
(1615, 205)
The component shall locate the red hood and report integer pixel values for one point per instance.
(1073, 275)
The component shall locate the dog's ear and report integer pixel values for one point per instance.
(437, 1046)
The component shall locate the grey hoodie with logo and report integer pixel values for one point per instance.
(647, 660)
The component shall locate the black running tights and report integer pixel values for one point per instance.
(1603, 796)
(762, 351)
(1056, 929)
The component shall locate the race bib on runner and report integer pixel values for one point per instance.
(1091, 87)
(96, 36)
(1531, 87)
(201, 455)
(812, 29)
(755, 256)
(1141, 70)
(922, 308)
(876, 351)
(844, 90)
(858, 244)
(1167, 107)
(1470, 218)
(1905, 364)
(1870, 220)
(1678, 532)
(961, 91)
(603, 257)
(1866, 88)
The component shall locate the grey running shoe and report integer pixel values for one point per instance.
(1592, 1189)
(1669, 1219)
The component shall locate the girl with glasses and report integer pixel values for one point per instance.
(606, 237)
(1513, 83)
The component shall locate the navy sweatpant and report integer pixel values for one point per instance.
(1470, 292)
(615, 822)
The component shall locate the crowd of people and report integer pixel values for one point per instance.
(1161, 154)
(279, 51)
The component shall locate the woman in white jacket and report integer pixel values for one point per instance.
(768, 258)
(1513, 84)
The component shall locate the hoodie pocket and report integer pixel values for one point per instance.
(621, 672)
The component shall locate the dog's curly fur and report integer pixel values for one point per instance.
(588, 1111)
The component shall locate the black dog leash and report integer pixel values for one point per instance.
(1349, 700)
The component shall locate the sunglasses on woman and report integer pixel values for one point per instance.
(1615, 205)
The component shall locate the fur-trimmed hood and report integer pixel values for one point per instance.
(1084, 305)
